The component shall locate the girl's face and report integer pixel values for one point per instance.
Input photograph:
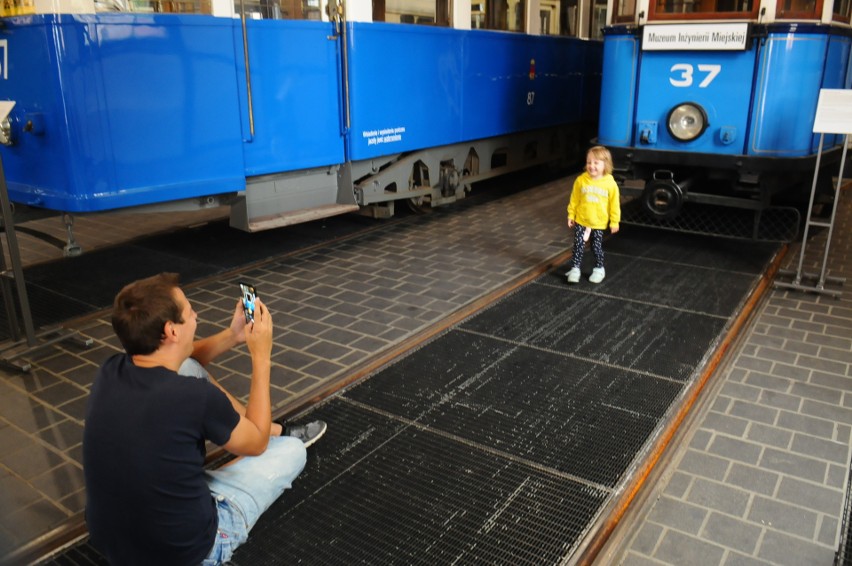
(595, 167)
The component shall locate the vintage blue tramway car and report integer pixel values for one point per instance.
(713, 102)
(288, 110)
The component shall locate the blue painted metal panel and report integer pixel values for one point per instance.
(407, 88)
(618, 94)
(718, 81)
(515, 82)
(296, 98)
(786, 93)
(137, 109)
(420, 87)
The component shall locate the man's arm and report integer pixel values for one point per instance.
(251, 435)
(207, 349)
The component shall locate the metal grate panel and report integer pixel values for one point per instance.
(578, 417)
(420, 498)
(643, 337)
(777, 224)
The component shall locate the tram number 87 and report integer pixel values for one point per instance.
(683, 74)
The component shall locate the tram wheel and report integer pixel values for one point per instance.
(662, 199)
(418, 205)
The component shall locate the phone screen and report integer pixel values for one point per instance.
(248, 295)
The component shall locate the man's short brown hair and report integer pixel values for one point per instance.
(141, 311)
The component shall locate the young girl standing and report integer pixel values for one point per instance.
(594, 204)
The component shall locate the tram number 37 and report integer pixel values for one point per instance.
(530, 98)
(684, 75)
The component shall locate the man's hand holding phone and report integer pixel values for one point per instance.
(259, 332)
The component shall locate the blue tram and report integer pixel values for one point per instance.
(713, 101)
(287, 110)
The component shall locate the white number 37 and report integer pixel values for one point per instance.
(682, 74)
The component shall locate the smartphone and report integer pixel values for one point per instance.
(248, 295)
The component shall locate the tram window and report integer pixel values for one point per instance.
(625, 11)
(842, 11)
(703, 9)
(428, 12)
(598, 22)
(280, 9)
(568, 10)
(799, 9)
(506, 15)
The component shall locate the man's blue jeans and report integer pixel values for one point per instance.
(246, 488)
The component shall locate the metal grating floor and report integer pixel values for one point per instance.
(500, 441)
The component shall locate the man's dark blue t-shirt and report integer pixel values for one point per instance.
(147, 501)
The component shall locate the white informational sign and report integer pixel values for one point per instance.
(695, 37)
(834, 112)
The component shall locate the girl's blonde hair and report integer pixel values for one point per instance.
(601, 153)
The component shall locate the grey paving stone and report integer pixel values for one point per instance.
(678, 484)
(731, 533)
(678, 515)
(793, 464)
(714, 495)
(809, 425)
(737, 559)
(826, 411)
(767, 381)
(740, 391)
(821, 448)
(771, 435)
(735, 449)
(754, 412)
(836, 476)
(779, 400)
(754, 364)
(727, 424)
(647, 538)
(817, 393)
(811, 496)
(843, 383)
(705, 465)
(753, 479)
(828, 531)
(636, 559)
(785, 550)
(823, 365)
(776, 355)
(700, 440)
(780, 516)
(801, 348)
(792, 372)
(679, 548)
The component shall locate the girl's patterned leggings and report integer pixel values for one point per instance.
(579, 244)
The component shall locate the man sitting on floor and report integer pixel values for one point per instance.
(148, 498)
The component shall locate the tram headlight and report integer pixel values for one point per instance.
(687, 121)
(6, 131)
